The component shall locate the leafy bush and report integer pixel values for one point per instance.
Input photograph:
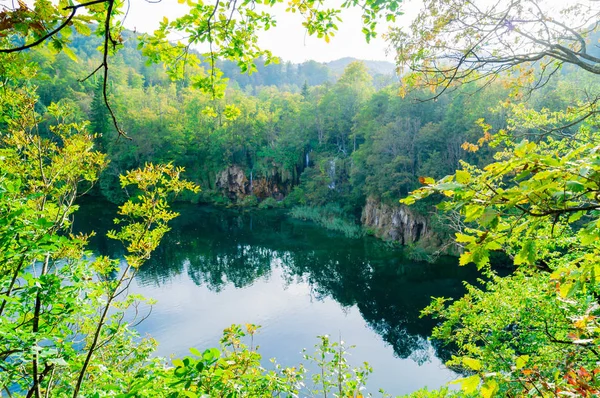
(417, 252)
(443, 392)
(248, 201)
(295, 197)
(269, 203)
(221, 200)
(235, 371)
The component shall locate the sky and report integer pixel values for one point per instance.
(288, 40)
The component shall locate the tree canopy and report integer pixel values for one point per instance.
(459, 41)
(535, 331)
(524, 179)
(224, 30)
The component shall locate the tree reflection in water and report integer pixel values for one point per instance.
(218, 248)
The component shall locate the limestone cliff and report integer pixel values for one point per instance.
(234, 184)
(402, 225)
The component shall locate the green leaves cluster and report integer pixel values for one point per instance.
(234, 372)
(230, 30)
(63, 324)
(335, 376)
(536, 330)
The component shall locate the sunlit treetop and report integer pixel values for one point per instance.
(220, 30)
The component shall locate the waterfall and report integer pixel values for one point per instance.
(250, 181)
(331, 173)
(307, 160)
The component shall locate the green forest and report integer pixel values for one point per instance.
(294, 136)
(482, 140)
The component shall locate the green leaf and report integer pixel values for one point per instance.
(448, 186)
(473, 212)
(466, 258)
(468, 384)
(575, 186)
(199, 366)
(462, 238)
(527, 253)
(488, 217)
(211, 355)
(70, 53)
(409, 200)
(82, 28)
(566, 289)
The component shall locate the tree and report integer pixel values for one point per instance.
(461, 41)
(305, 92)
(535, 331)
(229, 30)
(99, 116)
(62, 316)
(341, 104)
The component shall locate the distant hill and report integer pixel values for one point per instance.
(313, 73)
(285, 75)
(374, 67)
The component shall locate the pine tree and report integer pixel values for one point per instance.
(305, 92)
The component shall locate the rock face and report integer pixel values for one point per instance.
(234, 184)
(401, 224)
(396, 223)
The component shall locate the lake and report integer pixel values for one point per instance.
(298, 280)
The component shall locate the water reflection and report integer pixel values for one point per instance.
(219, 249)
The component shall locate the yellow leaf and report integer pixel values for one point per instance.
(462, 176)
(469, 384)
(489, 388)
(462, 238)
(565, 288)
(522, 361)
(466, 258)
(426, 180)
(472, 363)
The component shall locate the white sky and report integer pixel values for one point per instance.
(288, 40)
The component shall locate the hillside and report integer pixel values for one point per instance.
(285, 74)
(374, 67)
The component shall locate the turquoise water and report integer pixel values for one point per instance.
(217, 267)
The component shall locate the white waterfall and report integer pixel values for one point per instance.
(331, 173)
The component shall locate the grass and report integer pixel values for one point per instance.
(331, 217)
